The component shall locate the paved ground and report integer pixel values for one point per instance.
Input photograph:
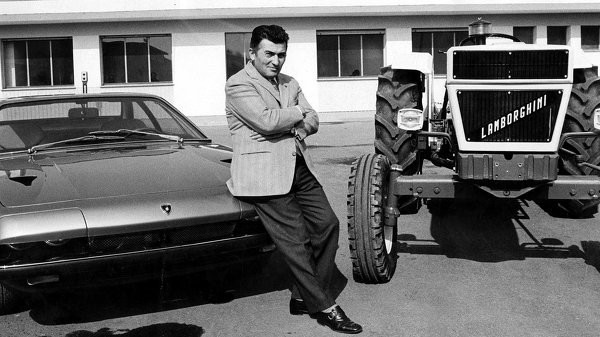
(483, 268)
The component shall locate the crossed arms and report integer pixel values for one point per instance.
(246, 103)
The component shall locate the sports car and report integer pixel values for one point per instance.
(104, 188)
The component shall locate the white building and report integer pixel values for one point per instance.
(183, 49)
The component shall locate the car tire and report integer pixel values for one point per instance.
(11, 301)
(585, 98)
(372, 244)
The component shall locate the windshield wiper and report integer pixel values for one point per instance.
(126, 133)
(87, 138)
(120, 134)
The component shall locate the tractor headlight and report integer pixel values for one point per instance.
(597, 119)
(410, 119)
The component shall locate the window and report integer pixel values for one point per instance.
(40, 62)
(557, 35)
(341, 54)
(437, 43)
(590, 37)
(525, 34)
(136, 59)
(236, 51)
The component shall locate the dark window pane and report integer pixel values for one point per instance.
(590, 37)
(39, 62)
(137, 59)
(350, 55)
(160, 59)
(437, 44)
(62, 61)
(442, 41)
(525, 34)
(372, 53)
(421, 42)
(236, 51)
(557, 35)
(459, 36)
(327, 55)
(113, 60)
(15, 64)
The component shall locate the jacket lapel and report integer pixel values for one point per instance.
(284, 93)
(253, 73)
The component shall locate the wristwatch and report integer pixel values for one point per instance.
(295, 133)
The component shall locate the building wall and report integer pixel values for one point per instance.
(198, 53)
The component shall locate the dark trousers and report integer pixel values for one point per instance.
(305, 230)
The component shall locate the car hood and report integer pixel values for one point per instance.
(109, 172)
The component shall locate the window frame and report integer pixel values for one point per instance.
(533, 33)
(433, 52)
(148, 55)
(596, 45)
(245, 55)
(28, 73)
(563, 29)
(361, 33)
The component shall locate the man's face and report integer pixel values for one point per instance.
(268, 57)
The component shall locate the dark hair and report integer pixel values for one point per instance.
(273, 33)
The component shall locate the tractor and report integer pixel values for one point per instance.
(517, 121)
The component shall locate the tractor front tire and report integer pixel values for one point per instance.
(372, 243)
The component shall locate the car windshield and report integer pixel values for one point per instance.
(30, 123)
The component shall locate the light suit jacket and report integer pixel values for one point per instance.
(254, 107)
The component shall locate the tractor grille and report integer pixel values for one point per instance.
(509, 116)
(514, 64)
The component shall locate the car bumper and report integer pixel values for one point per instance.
(451, 186)
(137, 265)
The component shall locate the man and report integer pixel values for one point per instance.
(269, 118)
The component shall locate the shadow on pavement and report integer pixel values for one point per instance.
(483, 231)
(556, 210)
(162, 330)
(592, 253)
(212, 286)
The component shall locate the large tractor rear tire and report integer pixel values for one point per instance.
(585, 98)
(397, 89)
(372, 244)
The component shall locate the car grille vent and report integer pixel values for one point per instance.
(113, 244)
(42, 251)
(161, 238)
(510, 65)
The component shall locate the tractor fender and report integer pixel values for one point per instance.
(581, 60)
(422, 62)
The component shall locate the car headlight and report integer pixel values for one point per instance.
(597, 119)
(410, 119)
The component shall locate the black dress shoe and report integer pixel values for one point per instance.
(337, 321)
(298, 307)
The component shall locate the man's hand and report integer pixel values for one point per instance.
(299, 131)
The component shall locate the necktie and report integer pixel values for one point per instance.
(274, 84)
